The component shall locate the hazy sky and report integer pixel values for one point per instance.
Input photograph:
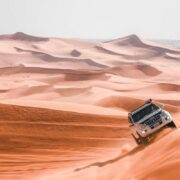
(92, 19)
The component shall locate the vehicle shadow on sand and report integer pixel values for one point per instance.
(121, 156)
(127, 153)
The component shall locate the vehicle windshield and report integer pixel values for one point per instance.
(144, 112)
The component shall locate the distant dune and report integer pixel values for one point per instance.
(64, 105)
(20, 36)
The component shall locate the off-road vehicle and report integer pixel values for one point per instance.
(147, 120)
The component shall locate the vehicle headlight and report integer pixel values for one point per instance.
(142, 126)
(163, 115)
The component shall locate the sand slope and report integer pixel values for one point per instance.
(64, 105)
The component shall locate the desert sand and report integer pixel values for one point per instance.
(64, 105)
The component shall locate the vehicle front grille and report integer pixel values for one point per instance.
(153, 120)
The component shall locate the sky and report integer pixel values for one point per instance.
(92, 19)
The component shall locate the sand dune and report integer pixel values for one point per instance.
(64, 105)
(37, 133)
(125, 103)
(20, 36)
(135, 71)
(75, 53)
(140, 49)
(134, 40)
(169, 87)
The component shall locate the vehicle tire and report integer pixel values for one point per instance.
(172, 125)
(140, 140)
(137, 140)
(145, 140)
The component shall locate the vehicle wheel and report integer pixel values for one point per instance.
(140, 140)
(137, 140)
(172, 125)
(145, 140)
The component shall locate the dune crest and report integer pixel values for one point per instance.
(20, 36)
(75, 53)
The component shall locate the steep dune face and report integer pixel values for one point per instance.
(67, 102)
(33, 139)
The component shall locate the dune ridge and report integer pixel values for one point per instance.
(134, 40)
(20, 36)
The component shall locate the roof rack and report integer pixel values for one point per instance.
(148, 101)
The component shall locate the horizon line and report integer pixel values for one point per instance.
(90, 39)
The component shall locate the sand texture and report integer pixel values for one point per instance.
(64, 105)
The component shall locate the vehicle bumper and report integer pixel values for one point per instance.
(148, 131)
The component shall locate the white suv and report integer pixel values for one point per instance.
(147, 120)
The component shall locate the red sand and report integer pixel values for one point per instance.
(64, 107)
